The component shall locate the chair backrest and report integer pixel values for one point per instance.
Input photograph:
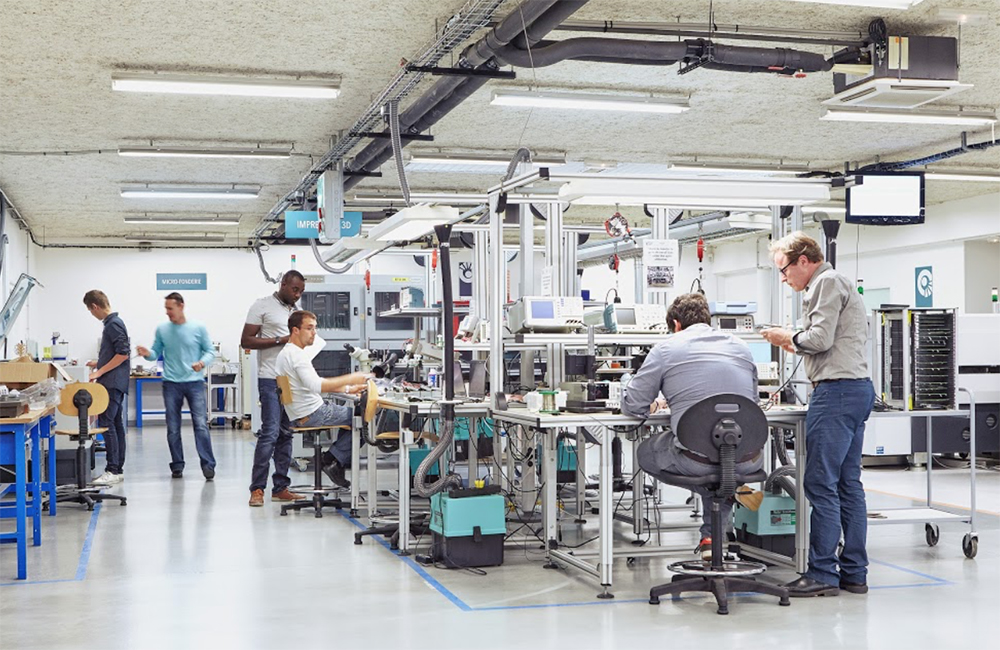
(723, 419)
(98, 394)
(284, 389)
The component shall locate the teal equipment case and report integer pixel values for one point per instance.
(468, 531)
(771, 527)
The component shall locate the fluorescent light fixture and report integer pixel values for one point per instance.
(182, 152)
(188, 193)
(413, 223)
(379, 199)
(474, 159)
(181, 221)
(737, 168)
(694, 192)
(899, 5)
(956, 117)
(588, 101)
(212, 85)
(962, 176)
(176, 238)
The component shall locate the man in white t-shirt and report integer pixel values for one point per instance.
(266, 330)
(308, 408)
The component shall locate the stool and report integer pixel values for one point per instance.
(319, 500)
(82, 400)
(720, 429)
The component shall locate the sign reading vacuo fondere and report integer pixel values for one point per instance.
(181, 281)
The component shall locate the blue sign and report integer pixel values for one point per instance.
(181, 281)
(350, 224)
(924, 286)
(300, 224)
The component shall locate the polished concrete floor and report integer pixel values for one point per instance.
(188, 565)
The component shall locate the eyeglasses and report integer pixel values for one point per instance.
(782, 269)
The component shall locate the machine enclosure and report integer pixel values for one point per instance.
(469, 531)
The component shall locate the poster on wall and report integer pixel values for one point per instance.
(924, 286)
(465, 279)
(659, 258)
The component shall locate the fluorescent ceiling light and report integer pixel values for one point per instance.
(181, 221)
(413, 223)
(181, 152)
(431, 158)
(900, 5)
(187, 193)
(588, 101)
(958, 118)
(736, 168)
(693, 192)
(175, 238)
(211, 85)
(962, 176)
(379, 199)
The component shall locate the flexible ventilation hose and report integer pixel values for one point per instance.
(397, 149)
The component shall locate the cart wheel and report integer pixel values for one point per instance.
(970, 546)
(932, 534)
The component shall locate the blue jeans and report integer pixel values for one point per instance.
(835, 432)
(114, 438)
(174, 394)
(336, 415)
(275, 440)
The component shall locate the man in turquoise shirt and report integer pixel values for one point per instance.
(186, 352)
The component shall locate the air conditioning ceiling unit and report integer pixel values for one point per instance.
(910, 72)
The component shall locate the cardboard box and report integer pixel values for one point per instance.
(18, 375)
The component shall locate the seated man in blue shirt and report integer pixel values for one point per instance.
(695, 363)
(186, 352)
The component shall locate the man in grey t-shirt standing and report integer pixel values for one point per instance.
(266, 330)
(832, 343)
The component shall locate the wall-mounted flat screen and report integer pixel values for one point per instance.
(886, 199)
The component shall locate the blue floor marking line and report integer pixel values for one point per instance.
(444, 591)
(911, 571)
(81, 567)
(545, 606)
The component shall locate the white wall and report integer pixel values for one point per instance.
(982, 275)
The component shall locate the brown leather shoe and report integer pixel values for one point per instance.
(256, 498)
(287, 495)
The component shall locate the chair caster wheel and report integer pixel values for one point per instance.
(654, 601)
(723, 611)
(318, 515)
(284, 514)
(784, 602)
(357, 540)
(124, 502)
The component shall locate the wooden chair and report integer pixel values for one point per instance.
(83, 400)
(319, 492)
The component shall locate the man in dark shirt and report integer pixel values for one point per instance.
(111, 371)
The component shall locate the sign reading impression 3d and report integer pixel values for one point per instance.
(304, 224)
(181, 281)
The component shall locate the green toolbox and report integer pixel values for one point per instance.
(468, 528)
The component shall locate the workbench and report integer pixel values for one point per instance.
(21, 438)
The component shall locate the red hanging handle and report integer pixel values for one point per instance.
(701, 249)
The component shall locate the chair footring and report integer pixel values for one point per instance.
(719, 587)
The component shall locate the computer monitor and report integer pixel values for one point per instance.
(886, 199)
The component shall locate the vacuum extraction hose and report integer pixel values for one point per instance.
(447, 404)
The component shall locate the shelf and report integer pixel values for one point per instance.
(529, 341)
(420, 312)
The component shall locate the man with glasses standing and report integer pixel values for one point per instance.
(832, 343)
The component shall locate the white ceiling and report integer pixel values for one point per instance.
(56, 61)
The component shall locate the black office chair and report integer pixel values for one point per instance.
(723, 429)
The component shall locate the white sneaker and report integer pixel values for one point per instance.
(107, 478)
(118, 478)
